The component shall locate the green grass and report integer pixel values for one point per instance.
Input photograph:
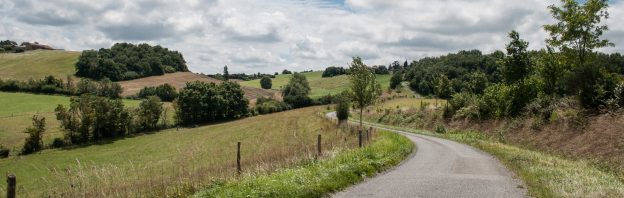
(37, 64)
(319, 178)
(17, 109)
(175, 162)
(320, 86)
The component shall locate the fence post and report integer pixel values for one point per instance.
(11, 186)
(318, 145)
(360, 138)
(238, 158)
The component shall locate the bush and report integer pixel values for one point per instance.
(342, 108)
(270, 105)
(34, 141)
(4, 152)
(165, 92)
(58, 143)
(295, 93)
(149, 112)
(333, 71)
(201, 102)
(266, 83)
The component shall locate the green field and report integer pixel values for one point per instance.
(17, 109)
(175, 162)
(37, 64)
(320, 86)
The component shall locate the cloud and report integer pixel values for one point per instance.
(268, 36)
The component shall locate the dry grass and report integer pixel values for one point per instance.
(37, 64)
(179, 80)
(176, 163)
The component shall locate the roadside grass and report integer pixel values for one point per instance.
(410, 102)
(318, 178)
(37, 64)
(175, 163)
(546, 175)
(320, 86)
(17, 109)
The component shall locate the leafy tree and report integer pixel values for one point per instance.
(286, 72)
(381, 70)
(34, 141)
(201, 102)
(149, 112)
(270, 105)
(333, 71)
(266, 83)
(579, 28)
(364, 89)
(517, 64)
(396, 79)
(296, 92)
(165, 92)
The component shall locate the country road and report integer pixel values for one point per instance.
(440, 168)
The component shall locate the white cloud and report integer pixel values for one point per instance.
(268, 36)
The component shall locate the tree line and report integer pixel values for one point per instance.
(126, 61)
(53, 85)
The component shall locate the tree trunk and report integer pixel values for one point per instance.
(361, 112)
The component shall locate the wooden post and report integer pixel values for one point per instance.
(318, 145)
(360, 138)
(367, 136)
(238, 158)
(11, 186)
(371, 131)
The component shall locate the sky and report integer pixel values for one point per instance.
(269, 36)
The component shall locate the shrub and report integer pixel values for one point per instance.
(58, 143)
(295, 93)
(201, 102)
(165, 92)
(149, 112)
(342, 108)
(34, 141)
(440, 129)
(4, 152)
(333, 71)
(270, 105)
(266, 83)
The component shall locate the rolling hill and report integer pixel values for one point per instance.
(320, 86)
(37, 64)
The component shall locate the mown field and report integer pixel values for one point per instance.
(17, 109)
(320, 86)
(175, 162)
(37, 64)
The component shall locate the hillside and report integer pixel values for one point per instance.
(17, 109)
(320, 86)
(37, 64)
(179, 80)
(175, 159)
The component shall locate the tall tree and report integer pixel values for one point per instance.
(296, 91)
(364, 89)
(226, 74)
(578, 29)
(516, 65)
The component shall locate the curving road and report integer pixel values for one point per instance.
(440, 168)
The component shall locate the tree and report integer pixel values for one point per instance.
(266, 83)
(364, 89)
(201, 102)
(396, 79)
(295, 93)
(226, 74)
(149, 112)
(286, 72)
(34, 141)
(579, 28)
(517, 63)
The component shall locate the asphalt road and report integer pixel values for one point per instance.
(440, 168)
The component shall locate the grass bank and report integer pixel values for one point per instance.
(38, 64)
(318, 178)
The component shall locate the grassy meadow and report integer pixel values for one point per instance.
(320, 86)
(37, 64)
(17, 109)
(176, 162)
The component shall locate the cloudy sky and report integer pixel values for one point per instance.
(268, 36)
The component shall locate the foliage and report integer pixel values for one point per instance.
(226, 73)
(4, 152)
(295, 93)
(201, 102)
(517, 63)
(93, 118)
(125, 61)
(397, 78)
(266, 83)
(382, 70)
(286, 72)
(270, 105)
(364, 90)
(333, 71)
(149, 113)
(578, 28)
(48, 85)
(165, 92)
(34, 141)
(342, 107)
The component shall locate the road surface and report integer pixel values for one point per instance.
(440, 168)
